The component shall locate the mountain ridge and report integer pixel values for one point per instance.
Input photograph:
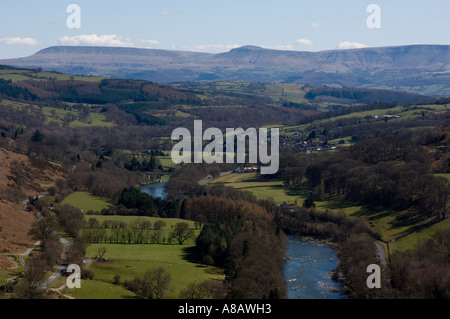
(419, 69)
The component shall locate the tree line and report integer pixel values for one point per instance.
(136, 232)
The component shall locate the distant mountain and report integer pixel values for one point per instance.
(420, 69)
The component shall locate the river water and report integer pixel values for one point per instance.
(155, 189)
(308, 264)
(307, 270)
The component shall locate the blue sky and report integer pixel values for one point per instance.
(27, 26)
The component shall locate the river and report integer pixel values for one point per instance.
(307, 270)
(155, 189)
(308, 264)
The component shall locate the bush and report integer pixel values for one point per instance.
(87, 274)
(116, 279)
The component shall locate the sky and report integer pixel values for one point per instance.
(27, 26)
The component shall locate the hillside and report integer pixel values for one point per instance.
(20, 177)
(420, 69)
(15, 223)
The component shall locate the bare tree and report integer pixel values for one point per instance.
(157, 236)
(30, 287)
(101, 252)
(209, 289)
(181, 233)
(157, 283)
(43, 229)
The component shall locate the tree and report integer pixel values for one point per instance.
(156, 283)
(30, 287)
(101, 252)
(181, 233)
(43, 229)
(208, 289)
(134, 198)
(159, 224)
(309, 202)
(157, 235)
(37, 136)
(442, 193)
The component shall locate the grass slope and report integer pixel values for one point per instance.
(87, 201)
(262, 189)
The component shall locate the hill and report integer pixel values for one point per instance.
(21, 176)
(420, 69)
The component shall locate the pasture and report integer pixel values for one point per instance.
(87, 202)
(129, 261)
(262, 189)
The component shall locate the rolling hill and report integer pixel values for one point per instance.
(420, 69)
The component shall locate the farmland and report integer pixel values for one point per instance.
(262, 189)
(87, 202)
(130, 261)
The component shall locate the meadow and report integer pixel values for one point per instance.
(262, 189)
(87, 202)
(131, 260)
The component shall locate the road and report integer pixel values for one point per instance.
(380, 252)
(65, 242)
(27, 253)
(63, 265)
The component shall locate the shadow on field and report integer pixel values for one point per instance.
(408, 219)
(190, 255)
(373, 213)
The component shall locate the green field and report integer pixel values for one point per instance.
(262, 189)
(130, 261)
(423, 234)
(445, 175)
(21, 75)
(87, 201)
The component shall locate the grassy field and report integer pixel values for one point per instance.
(447, 175)
(423, 234)
(95, 119)
(129, 261)
(87, 201)
(262, 189)
(166, 161)
(21, 75)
